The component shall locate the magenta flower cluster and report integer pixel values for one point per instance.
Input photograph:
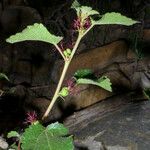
(31, 117)
(71, 84)
(78, 24)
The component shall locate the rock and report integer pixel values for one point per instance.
(147, 17)
(146, 35)
(95, 59)
(13, 99)
(44, 91)
(8, 3)
(86, 96)
(16, 18)
(117, 147)
(40, 105)
(115, 5)
(3, 143)
(89, 144)
(92, 144)
(121, 115)
(27, 62)
(1, 9)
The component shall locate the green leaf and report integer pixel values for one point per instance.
(13, 134)
(75, 4)
(37, 137)
(64, 92)
(58, 129)
(103, 82)
(3, 77)
(88, 11)
(81, 73)
(36, 32)
(114, 18)
(84, 11)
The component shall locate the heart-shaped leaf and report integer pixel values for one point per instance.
(83, 11)
(103, 82)
(13, 134)
(53, 137)
(36, 32)
(114, 18)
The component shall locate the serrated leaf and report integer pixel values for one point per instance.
(37, 137)
(84, 11)
(88, 11)
(58, 129)
(114, 18)
(3, 77)
(105, 83)
(36, 32)
(75, 4)
(13, 134)
(81, 73)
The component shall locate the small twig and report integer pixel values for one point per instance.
(60, 52)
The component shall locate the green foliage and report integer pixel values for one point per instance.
(108, 18)
(36, 32)
(67, 52)
(64, 92)
(38, 137)
(54, 136)
(82, 73)
(102, 82)
(83, 11)
(3, 77)
(50, 138)
(13, 134)
(105, 83)
(114, 18)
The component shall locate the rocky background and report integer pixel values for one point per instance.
(33, 67)
(32, 62)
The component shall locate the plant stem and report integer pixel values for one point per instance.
(60, 51)
(66, 65)
(56, 95)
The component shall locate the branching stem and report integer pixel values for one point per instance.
(66, 65)
(60, 52)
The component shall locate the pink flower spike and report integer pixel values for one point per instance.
(31, 117)
(71, 83)
(61, 45)
(73, 89)
(87, 23)
(77, 24)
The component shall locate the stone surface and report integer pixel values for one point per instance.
(16, 18)
(119, 122)
(27, 62)
(3, 143)
(7, 3)
(95, 59)
(146, 35)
